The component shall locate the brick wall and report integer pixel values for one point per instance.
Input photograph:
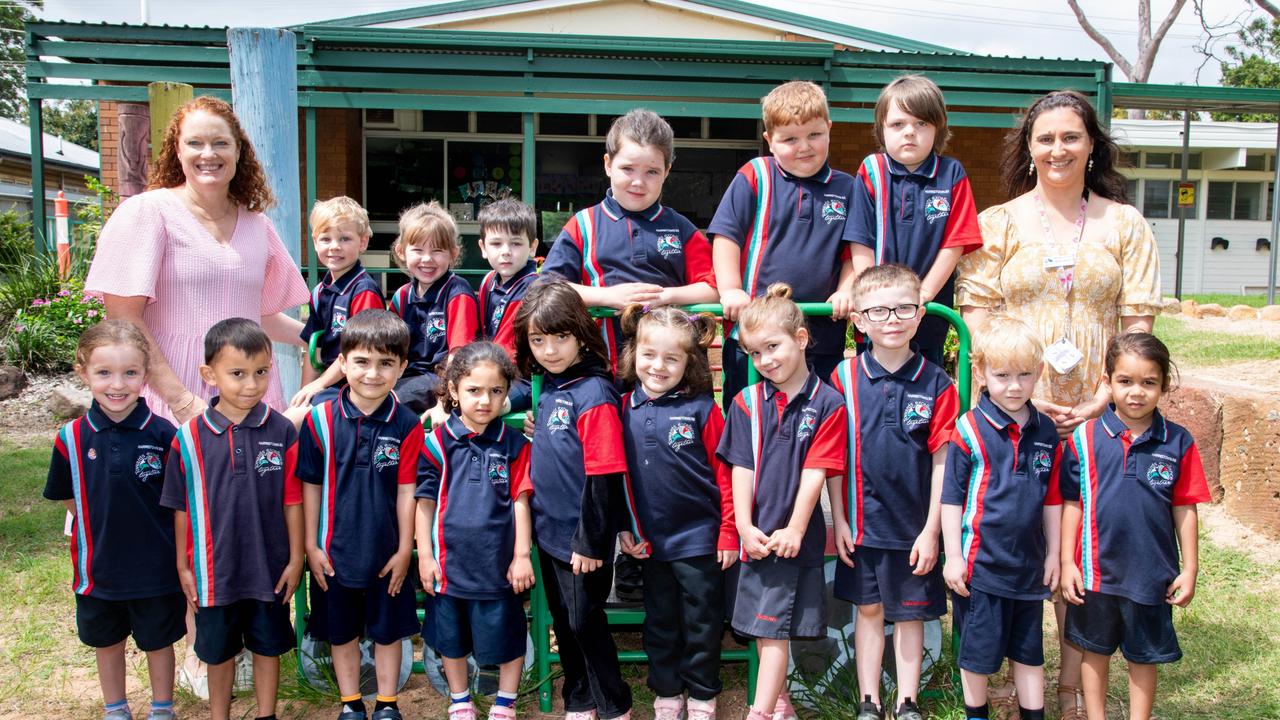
(338, 154)
(108, 144)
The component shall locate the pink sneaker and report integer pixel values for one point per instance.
(668, 708)
(754, 714)
(498, 712)
(462, 711)
(783, 710)
(581, 715)
(702, 709)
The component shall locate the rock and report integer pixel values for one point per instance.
(1242, 312)
(1270, 312)
(1172, 306)
(12, 382)
(69, 402)
(1191, 308)
(1249, 463)
(1200, 412)
(1211, 310)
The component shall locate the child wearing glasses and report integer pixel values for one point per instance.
(886, 508)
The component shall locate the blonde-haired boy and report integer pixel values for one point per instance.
(782, 220)
(1001, 513)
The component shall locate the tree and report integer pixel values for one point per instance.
(1148, 43)
(1254, 63)
(72, 120)
(13, 56)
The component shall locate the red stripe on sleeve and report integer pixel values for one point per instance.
(600, 430)
(462, 321)
(410, 456)
(1191, 486)
(521, 482)
(711, 434)
(942, 425)
(962, 224)
(697, 260)
(1053, 493)
(365, 300)
(506, 334)
(292, 485)
(828, 451)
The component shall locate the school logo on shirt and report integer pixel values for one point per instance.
(385, 455)
(680, 435)
(808, 424)
(1160, 474)
(669, 245)
(498, 312)
(558, 419)
(1041, 462)
(937, 207)
(339, 323)
(834, 210)
(269, 460)
(435, 326)
(93, 453)
(147, 465)
(915, 414)
(498, 472)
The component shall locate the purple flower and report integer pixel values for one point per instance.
(38, 302)
(19, 328)
(64, 293)
(91, 313)
(77, 321)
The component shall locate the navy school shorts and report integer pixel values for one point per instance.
(1144, 634)
(492, 631)
(881, 576)
(993, 628)
(343, 614)
(154, 622)
(261, 627)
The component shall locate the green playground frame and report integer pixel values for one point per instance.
(539, 614)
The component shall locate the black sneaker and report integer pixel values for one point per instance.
(908, 711)
(868, 710)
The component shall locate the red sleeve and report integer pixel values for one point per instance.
(1191, 487)
(829, 449)
(521, 483)
(697, 260)
(1053, 495)
(943, 425)
(506, 335)
(292, 485)
(711, 433)
(962, 224)
(462, 320)
(410, 456)
(365, 300)
(600, 429)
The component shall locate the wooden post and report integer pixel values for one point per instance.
(163, 100)
(39, 218)
(264, 91)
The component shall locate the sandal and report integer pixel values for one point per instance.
(1003, 702)
(1076, 710)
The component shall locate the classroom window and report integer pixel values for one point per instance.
(499, 122)
(1155, 198)
(1171, 160)
(446, 121)
(735, 129)
(1255, 161)
(1236, 201)
(1247, 204)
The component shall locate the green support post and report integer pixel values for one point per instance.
(312, 178)
(38, 217)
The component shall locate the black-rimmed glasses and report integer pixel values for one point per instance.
(880, 314)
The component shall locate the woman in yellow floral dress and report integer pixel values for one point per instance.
(1068, 256)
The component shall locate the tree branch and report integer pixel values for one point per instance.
(1268, 7)
(1102, 40)
(1147, 49)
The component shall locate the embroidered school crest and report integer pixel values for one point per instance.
(1159, 475)
(680, 435)
(269, 460)
(385, 455)
(1041, 462)
(435, 327)
(808, 424)
(147, 465)
(558, 419)
(937, 207)
(834, 210)
(339, 323)
(915, 414)
(93, 453)
(498, 472)
(669, 245)
(498, 311)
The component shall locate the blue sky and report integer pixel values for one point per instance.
(1033, 28)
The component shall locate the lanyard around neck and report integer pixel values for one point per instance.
(1066, 273)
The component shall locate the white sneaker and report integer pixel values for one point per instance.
(196, 682)
(668, 708)
(581, 715)
(244, 672)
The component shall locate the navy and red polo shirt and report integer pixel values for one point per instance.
(1003, 475)
(333, 302)
(113, 472)
(776, 437)
(901, 418)
(500, 301)
(680, 496)
(360, 461)
(474, 480)
(1127, 488)
(442, 318)
(578, 436)
(606, 245)
(908, 216)
(791, 230)
(234, 482)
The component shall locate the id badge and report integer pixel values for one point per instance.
(1063, 356)
(1057, 262)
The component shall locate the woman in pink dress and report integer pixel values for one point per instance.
(196, 249)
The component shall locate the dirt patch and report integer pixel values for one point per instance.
(1254, 377)
(1225, 531)
(25, 419)
(1260, 328)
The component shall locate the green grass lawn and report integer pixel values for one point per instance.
(1227, 299)
(1193, 347)
(1230, 634)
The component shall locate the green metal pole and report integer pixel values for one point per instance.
(38, 218)
(312, 178)
(538, 605)
(528, 155)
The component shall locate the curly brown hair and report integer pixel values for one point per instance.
(248, 186)
(696, 332)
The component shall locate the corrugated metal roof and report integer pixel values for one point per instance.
(15, 139)
(1168, 133)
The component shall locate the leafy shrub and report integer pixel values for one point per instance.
(43, 335)
(15, 240)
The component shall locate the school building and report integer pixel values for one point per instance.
(477, 99)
